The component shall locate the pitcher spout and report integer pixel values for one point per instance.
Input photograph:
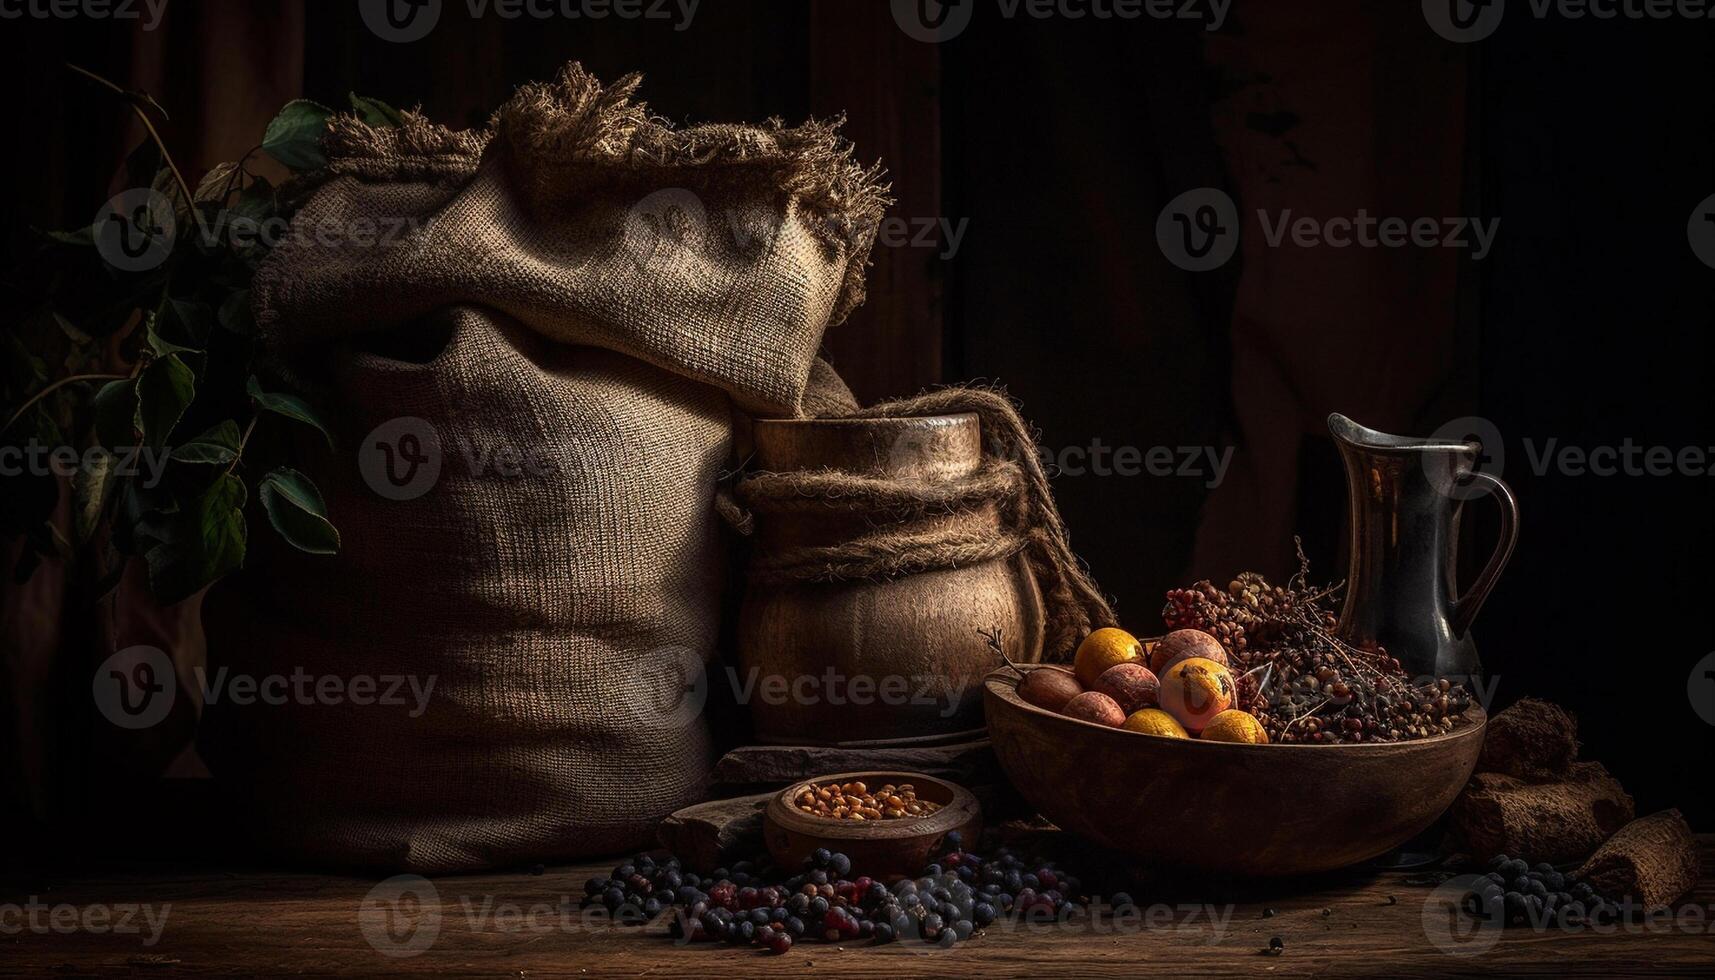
(1349, 433)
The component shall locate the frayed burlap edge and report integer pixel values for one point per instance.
(417, 149)
(575, 120)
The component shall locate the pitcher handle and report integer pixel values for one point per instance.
(1466, 606)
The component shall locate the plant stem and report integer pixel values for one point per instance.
(166, 157)
(50, 389)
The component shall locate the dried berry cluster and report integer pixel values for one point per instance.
(1302, 682)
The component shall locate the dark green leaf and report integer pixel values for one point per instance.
(218, 446)
(89, 492)
(295, 508)
(184, 325)
(80, 236)
(256, 201)
(235, 313)
(201, 543)
(291, 406)
(375, 112)
(153, 327)
(116, 414)
(217, 183)
(164, 391)
(294, 137)
(135, 516)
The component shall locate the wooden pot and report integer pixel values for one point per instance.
(1224, 807)
(876, 662)
(883, 849)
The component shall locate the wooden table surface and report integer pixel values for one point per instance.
(521, 925)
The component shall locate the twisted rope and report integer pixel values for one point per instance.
(924, 525)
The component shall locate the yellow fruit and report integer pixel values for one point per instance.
(1154, 721)
(1106, 647)
(1194, 691)
(1233, 725)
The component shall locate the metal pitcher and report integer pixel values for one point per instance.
(1406, 496)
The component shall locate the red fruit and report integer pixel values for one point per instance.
(837, 924)
(1097, 707)
(1049, 687)
(1182, 645)
(1132, 686)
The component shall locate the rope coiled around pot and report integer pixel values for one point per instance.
(1011, 482)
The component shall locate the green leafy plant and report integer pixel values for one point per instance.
(137, 385)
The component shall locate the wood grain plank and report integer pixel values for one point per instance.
(888, 85)
(270, 923)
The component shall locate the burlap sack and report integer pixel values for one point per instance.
(579, 298)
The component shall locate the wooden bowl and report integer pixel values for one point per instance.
(878, 848)
(1223, 807)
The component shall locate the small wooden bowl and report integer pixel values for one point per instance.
(1224, 807)
(878, 848)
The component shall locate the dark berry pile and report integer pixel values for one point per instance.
(1301, 681)
(953, 899)
(1326, 704)
(1522, 895)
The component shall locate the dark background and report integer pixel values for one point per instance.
(1058, 142)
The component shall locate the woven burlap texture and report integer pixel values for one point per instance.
(599, 291)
